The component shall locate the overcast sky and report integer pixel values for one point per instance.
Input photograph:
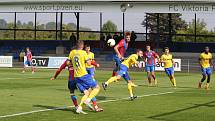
(91, 20)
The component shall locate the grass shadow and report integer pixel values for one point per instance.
(62, 90)
(159, 116)
(55, 108)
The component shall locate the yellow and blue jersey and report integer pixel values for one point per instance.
(91, 57)
(205, 59)
(79, 58)
(167, 59)
(131, 60)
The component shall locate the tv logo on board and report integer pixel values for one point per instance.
(40, 62)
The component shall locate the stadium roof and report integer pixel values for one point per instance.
(151, 6)
(39, 1)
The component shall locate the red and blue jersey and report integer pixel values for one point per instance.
(29, 55)
(70, 69)
(122, 47)
(150, 58)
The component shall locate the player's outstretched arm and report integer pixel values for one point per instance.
(56, 74)
(63, 66)
(52, 78)
(117, 51)
(94, 63)
(212, 64)
(173, 62)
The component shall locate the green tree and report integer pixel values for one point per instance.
(201, 29)
(109, 26)
(177, 23)
(50, 26)
(43, 35)
(72, 26)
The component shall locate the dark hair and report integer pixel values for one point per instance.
(166, 48)
(138, 50)
(87, 45)
(206, 47)
(127, 34)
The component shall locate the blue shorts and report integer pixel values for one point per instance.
(72, 85)
(90, 71)
(169, 71)
(27, 62)
(85, 82)
(150, 68)
(117, 60)
(123, 72)
(206, 71)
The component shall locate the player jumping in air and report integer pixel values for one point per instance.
(28, 62)
(123, 72)
(205, 61)
(167, 59)
(120, 50)
(149, 59)
(85, 82)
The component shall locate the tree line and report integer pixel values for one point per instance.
(180, 30)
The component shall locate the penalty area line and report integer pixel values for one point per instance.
(59, 108)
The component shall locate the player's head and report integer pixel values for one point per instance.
(87, 48)
(166, 50)
(148, 48)
(139, 52)
(27, 49)
(68, 62)
(128, 36)
(207, 49)
(80, 45)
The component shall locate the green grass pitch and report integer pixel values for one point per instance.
(21, 93)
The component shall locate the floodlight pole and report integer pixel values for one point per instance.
(35, 26)
(61, 26)
(195, 27)
(123, 23)
(123, 8)
(101, 23)
(170, 26)
(56, 24)
(78, 24)
(14, 36)
(146, 26)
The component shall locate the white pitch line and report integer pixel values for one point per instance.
(105, 101)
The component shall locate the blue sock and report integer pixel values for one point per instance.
(73, 97)
(94, 99)
(74, 100)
